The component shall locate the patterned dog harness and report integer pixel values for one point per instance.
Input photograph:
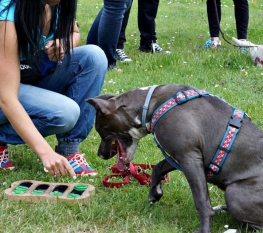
(225, 146)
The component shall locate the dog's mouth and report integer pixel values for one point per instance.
(117, 148)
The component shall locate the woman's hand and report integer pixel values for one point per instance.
(59, 54)
(57, 165)
(54, 54)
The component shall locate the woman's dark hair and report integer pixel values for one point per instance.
(29, 18)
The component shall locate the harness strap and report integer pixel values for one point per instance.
(166, 156)
(146, 107)
(225, 146)
(179, 98)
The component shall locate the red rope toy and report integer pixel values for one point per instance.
(135, 170)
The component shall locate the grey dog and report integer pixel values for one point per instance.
(190, 133)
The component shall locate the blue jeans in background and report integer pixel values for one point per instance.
(106, 28)
(57, 105)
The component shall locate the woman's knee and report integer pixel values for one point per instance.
(99, 59)
(93, 57)
(67, 115)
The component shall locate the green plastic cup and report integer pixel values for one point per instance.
(80, 187)
(20, 189)
(73, 195)
(37, 192)
(56, 193)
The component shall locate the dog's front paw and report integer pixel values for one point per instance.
(155, 194)
(152, 199)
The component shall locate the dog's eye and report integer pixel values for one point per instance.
(126, 139)
(108, 137)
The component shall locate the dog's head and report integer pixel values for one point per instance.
(118, 127)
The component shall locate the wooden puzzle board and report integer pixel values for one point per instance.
(34, 191)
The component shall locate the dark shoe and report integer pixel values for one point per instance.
(122, 56)
(153, 48)
(114, 67)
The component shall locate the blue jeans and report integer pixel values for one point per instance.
(106, 28)
(57, 105)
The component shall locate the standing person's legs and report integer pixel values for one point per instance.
(92, 37)
(122, 37)
(106, 28)
(120, 54)
(213, 8)
(214, 16)
(147, 11)
(242, 18)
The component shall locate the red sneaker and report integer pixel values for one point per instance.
(4, 158)
(80, 165)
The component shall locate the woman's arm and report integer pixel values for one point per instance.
(76, 36)
(12, 108)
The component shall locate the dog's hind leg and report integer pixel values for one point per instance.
(244, 201)
(158, 175)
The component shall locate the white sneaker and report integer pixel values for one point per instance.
(122, 56)
(158, 49)
(153, 48)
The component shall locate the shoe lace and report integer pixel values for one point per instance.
(4, 157)
(121, 53)
(79, 158)
(156, 47)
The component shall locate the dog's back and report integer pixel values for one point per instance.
(191, 133)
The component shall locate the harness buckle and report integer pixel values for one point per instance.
(213, 169)
(235, 122)
(200, 94)
(181, 100)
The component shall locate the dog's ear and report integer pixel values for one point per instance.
(104, 105)
(105, 97)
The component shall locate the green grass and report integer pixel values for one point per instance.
(181, 27)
